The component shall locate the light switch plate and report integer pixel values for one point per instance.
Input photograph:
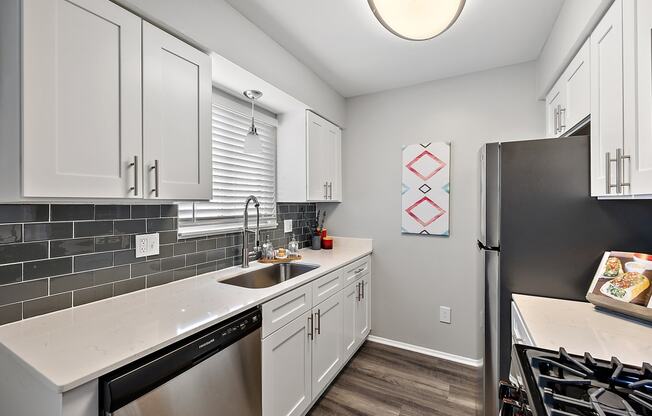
(445, 314)
(287, 226)
(147, 245)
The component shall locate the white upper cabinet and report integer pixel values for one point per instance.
(576, 85)
(309, 158)
(81, 99)
(607, 135)
(176, 118)
(637, 169)
(569, 101)
(106, 99)
(555, 101)
(324, 141)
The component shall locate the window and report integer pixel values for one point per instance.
(236, 175)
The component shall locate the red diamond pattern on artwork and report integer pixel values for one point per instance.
(426, 208)
(426, 165)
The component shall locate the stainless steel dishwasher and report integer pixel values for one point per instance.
(215, 372)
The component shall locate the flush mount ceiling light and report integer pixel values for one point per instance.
(252, 143)
(417, 19)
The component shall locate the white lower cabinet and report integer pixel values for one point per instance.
(327, 346)
(287, 375)
(302, 357)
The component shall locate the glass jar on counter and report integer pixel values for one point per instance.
(293, 247)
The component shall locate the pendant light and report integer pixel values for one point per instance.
(252, 143)
(417, 19)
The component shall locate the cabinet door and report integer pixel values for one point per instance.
(317, 150)
(363, 310)
(554, 103)
(287, 368)
(81, 99)
(327, 347)
(176, 118)
(638, 95)
(350, 296)
(606, 99)
(334, 169)
(576, 82)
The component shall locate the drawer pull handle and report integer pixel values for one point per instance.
(318, 328)
(310, 331)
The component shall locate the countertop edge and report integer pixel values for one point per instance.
(72, 384)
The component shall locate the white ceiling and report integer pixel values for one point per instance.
(347, 47)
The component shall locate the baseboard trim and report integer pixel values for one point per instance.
(427, 351)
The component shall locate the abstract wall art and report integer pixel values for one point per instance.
(426, 189)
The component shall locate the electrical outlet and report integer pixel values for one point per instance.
(445, 314)
(147, 245)
(287, 226)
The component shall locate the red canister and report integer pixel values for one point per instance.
(327, 243)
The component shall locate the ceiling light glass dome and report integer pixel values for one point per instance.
(417, 19)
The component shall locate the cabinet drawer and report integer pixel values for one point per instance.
(282, 310)
(356, 269)
(325, 286)
(520, 334)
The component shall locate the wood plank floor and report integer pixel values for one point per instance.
(381, 380)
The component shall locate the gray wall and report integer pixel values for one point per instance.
(414, 275)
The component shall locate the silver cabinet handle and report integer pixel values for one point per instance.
(362, 286)
(135, 165)
(622, 158)
(330, 190)
(608, 162)
(359, 295)
(156, 168)
(556, 119)
(325, 190)
(562, 119)
(318, 327)
(619, 171)
(310, 331)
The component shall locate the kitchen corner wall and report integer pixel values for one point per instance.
(413, 275)
(56, 256)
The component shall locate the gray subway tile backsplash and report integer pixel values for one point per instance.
(15, 253)
(72, 212)
(72, 247)
(93, 228)
(21, 213)
(48, 231)
(47, 268)
(11, 273)
(61, 255)
(11, 233)
(46, 305)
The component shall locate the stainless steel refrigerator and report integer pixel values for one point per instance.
(542, 234)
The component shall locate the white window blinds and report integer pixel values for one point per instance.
(236, 175)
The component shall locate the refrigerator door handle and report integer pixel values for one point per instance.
(482, 246)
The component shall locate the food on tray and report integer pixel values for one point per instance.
(281, 253)
(626, 287)
(613, 267)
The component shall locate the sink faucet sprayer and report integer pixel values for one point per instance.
(245, 246)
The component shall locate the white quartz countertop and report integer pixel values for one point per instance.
(71, 347)
(580, 327)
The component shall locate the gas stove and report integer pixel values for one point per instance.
(560, 384)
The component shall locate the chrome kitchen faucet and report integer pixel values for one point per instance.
(255, 253)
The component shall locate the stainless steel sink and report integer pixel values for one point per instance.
(270, 276)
